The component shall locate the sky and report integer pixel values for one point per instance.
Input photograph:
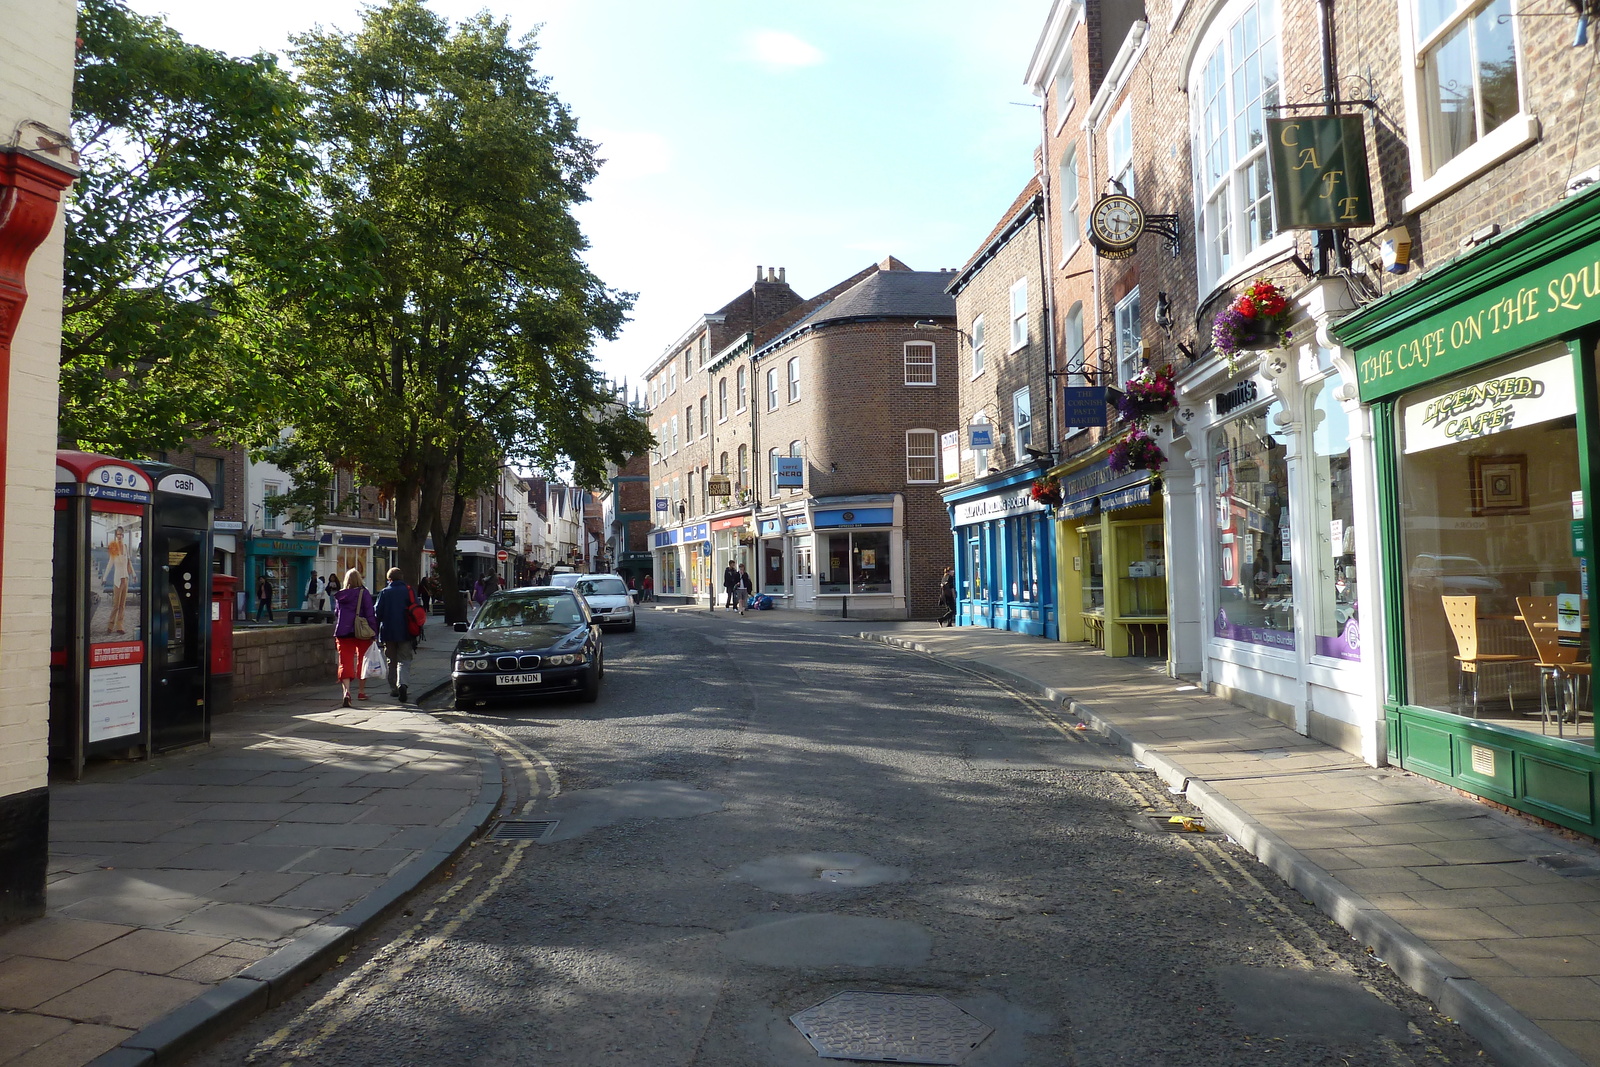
(815, 135)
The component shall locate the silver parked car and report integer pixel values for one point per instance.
(609, 600)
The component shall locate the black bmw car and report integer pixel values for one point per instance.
(528, 642)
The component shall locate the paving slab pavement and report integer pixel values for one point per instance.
(194, 889)
(1475, 908)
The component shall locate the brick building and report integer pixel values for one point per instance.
(850, 385)
(1004, 546)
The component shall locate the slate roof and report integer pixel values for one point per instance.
(908, 294)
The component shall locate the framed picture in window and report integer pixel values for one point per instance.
(1499, 485)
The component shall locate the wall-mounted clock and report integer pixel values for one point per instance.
(1115, 223)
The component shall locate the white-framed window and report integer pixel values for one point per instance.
(672, 379)
(691, 497)
(674, 435)
(1022, 419)
(1235, 77)
(1066, 88)
(271, 517)
(920, 369)
(722, 400)
(922, 456)
(794, 379)
(688, 424)
(744, 466)
(1119, 147)
(1019, 313)
(743, 393)
(772, 471)
(1130, 338)
(796, 450)
(705, 496)
(1462, 77)
(705, 410)
(978, 344)
(1073, 350)
(1071, 223)
(687, 370)
(772, 389)
(723, 467)
(700, 353)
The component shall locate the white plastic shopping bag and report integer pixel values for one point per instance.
(374, 664)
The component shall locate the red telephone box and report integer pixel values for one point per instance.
(223, 587)
(100, 620)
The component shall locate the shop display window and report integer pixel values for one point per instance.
(1094, 571)
(1335, 604)
(975, 568)
(1250, 502)
(1024, 567)
(1142, 586)
(1489, 483)
(855, 561)
(772, 576)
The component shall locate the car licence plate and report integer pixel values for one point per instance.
(517, 679)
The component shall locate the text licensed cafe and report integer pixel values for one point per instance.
(1482, 382)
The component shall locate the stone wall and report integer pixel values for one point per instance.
(265, 660)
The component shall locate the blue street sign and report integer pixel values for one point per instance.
(661, 503)
(1083, 405)
(980, 437)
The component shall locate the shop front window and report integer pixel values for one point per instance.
(1024, 575)
(1250, 499)
(772, 577)
(1489, 484)
(974, 573)
(1094, 572)
(1335, 604)
(856, 561)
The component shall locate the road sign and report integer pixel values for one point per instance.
(502, 555)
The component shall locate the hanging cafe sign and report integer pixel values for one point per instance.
(1319, 172)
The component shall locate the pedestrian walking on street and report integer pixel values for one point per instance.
(314, 593)
(355, 625)
(330, 587)
(743, 587)
(730, 583)
(396, 634)
(648, 592)
(264, 598)
(947, 597)
(425, 595)
(479, 593)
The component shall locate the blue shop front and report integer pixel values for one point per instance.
(1005, 555)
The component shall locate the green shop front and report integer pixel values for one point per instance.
(1481, 377)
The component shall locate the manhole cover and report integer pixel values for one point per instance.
(523, 829)
(1568, 865)
(890, 1028)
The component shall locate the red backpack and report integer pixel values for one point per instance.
(416, 618)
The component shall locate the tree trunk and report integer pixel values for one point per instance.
(444, 556)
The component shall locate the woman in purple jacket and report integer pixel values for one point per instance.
(348, 603)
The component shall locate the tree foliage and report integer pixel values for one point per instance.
(188, 218)
(445, 179)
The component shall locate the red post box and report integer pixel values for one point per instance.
(220, 685)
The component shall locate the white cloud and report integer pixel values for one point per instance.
(774, 48)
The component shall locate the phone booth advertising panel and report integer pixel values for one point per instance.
(99, 611)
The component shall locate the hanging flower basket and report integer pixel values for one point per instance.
(1257, 319)
(1047, 491)
(1148, 395)
(1137, 451)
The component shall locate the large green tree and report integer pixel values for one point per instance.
(186, 229)
(447, 172)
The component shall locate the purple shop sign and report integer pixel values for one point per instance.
(1347, 646)
(1253, 635)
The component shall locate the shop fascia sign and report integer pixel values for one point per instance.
(1018, 501)
(1523, 397)
(1557, 298)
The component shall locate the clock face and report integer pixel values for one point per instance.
(1116, 221)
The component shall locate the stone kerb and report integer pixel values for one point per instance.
(266, 660)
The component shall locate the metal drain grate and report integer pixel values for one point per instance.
(890, 1028)
(1568, 865)
(523, 829)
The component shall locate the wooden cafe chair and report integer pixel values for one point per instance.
(1560, 669)
(1462, 613)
